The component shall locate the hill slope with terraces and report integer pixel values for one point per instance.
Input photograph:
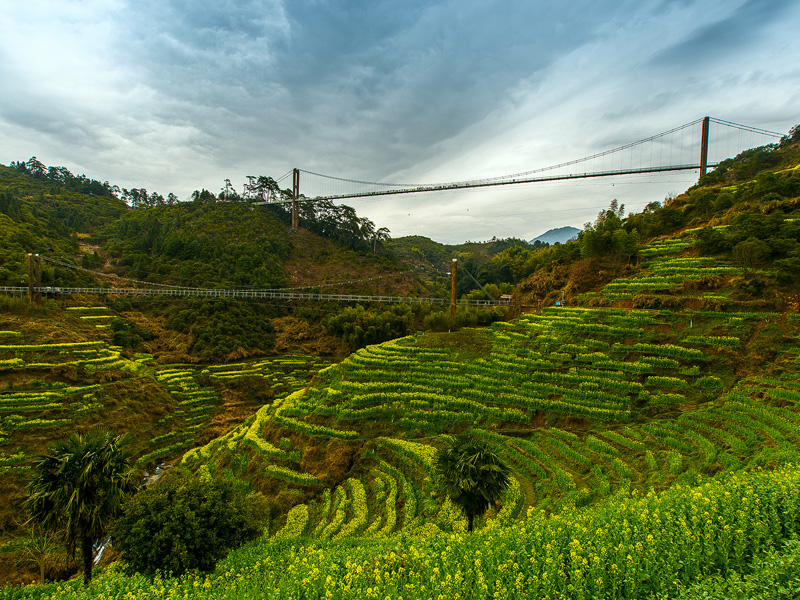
(651, 424)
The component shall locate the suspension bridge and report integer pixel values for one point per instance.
(699, 145)
(35, 290)
(265, 294)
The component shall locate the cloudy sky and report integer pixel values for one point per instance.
(177, 95)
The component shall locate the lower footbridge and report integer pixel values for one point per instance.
(263, 294)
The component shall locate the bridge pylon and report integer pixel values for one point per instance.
(704, 147)
(295, 197)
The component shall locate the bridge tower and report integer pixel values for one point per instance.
(295, 197)
(704, 147)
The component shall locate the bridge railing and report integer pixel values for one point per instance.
(234, 293)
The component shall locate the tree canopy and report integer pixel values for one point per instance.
(183, 523)
(472, 474)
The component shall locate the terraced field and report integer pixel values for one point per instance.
(52, 386)
(583, 402)
(668, 270)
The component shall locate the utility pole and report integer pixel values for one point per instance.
(295, 197)
(37, 268)
(30, 278)
(453, 286)
(704, 148)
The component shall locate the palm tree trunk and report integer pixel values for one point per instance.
(470, 516)
(88, 558)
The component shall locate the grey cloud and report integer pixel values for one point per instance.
(385, 81)
(728, 36)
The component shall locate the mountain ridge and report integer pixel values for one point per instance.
(558, 235)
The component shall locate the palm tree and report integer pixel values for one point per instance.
(472, 474)
(78, 487)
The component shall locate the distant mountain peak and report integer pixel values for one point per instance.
(557, 235)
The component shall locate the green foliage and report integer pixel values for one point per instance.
(42, 216)
(39, 548)
(754, 240)
(517, 263)
(710, 386)
(744, 166)
(775, 576)
(358, 327)
(338, 222)
(655, 219)
(220, 327)
(607, 238)
(127, 334)
(711, 241)
(199, 245)
(491, 263)
(631, 546)
(79, 486)
(472, 474)
(183, 523)
(61, 177)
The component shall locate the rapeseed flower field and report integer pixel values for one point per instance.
(631, 546)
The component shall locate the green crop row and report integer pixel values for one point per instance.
(50, 347)
(666, 437)
(30, 407)
(422, 454)
(600, 446)
(296, 522)
(721, 341)
(624, 441)
(291, 475)
(41, 423)
(164, 451)
(358, 505)
(339, 508)
(389, 503)
(406, 495)
(314, 430)
(666, 382)
(668, 350)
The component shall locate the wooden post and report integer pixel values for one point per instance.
(295, 197)
(30, 278)
(704, 148)
(453, 286)
(37, 270)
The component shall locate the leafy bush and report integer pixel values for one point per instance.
(127, 334)
(221, 327)
(710, 386)
(184, 523)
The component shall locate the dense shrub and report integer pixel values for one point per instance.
(183, 523)
(127, 334)
(358, 327)
(223, 326)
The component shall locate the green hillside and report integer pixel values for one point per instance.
(486, 263)
(652, 424)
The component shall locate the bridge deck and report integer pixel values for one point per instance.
(234, 293)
